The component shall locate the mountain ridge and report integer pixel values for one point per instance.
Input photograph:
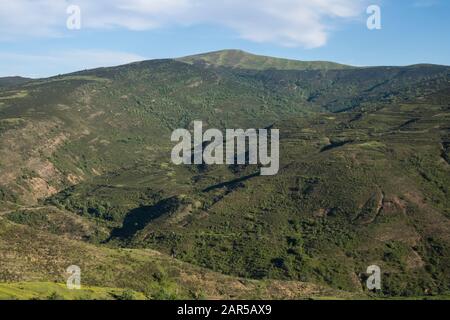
(235, 59)
(244, 60)
(13, 80)
(363, 153)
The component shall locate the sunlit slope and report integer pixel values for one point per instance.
(85, 167)
(353, 190)
(34, 264)
(244, 60)
(63, 130)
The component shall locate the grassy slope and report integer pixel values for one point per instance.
(304, 224)
(12, 81)
(95, 143)
(244, 60)
(55, 291)
(34, 262)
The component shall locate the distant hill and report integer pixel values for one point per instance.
(364, 179)
(12, 81)
(244, 60)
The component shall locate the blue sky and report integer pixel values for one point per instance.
(35, 41)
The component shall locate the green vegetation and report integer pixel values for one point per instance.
(13, 95)
(86, 179)
(244, 60)
(12, 81)
(54, 291)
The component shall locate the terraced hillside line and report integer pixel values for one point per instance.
(407, 123)
(104, 147)
(231, 184)
(2, 213)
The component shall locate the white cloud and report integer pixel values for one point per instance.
(304, 23)
(62, 62)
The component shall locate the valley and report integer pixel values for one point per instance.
(86, 178)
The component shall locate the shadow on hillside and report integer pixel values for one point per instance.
(231, 184)
(137, 219)
(335, 145)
